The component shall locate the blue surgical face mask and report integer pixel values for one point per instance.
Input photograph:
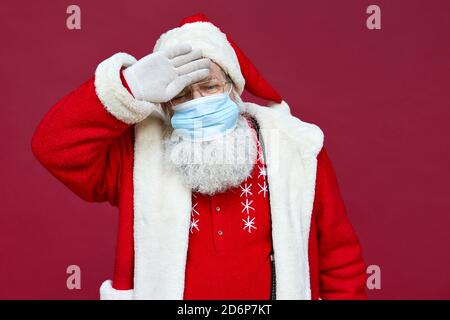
(205, 118)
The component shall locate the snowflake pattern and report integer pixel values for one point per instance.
(263, 188)
(249, 224)
(262, 171)
(252, 179)
(194, 225)
(194, 222)
(246, 190)
(260, 154)
(194, 211)
(247, 206)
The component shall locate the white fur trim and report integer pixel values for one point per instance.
(107, 292)
(283, 106)
(115, 97)
(291, 148)
(163, 205)
(212, 42)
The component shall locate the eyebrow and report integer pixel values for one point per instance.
(225, 76)
(208, 78)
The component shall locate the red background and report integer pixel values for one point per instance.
(381, 97)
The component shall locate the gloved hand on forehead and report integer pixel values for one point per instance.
(160, 76)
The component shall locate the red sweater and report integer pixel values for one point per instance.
(77, 141)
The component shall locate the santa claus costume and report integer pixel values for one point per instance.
(284, 229)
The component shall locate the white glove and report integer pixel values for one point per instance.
(160, 76)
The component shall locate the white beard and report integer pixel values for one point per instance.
(211, 167)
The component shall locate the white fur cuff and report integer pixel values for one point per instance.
(116, 99)
(107, 292)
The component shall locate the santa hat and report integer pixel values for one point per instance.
(200, 33)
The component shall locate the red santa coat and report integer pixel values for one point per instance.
(106, 146)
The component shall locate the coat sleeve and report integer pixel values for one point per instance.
(341, 267)
(80, 140)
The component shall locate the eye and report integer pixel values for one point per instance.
(179, 99)
(211, 88)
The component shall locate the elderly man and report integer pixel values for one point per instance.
(217, 198)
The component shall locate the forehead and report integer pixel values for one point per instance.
(215, 72)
